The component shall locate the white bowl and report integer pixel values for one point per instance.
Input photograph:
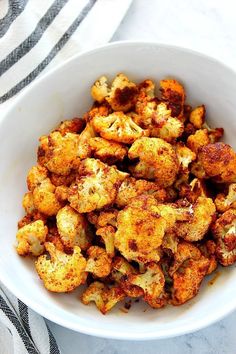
(64, 93)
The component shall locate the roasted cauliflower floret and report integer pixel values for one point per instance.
(208, 249)
(105, 298)
(217, 161)
(157, 160)
(84, 149)
(224, 231)
(61, 193)
(107, 151)
(61, 153)
(121, 96)
(96, 186)
(197, 116)
(225, 202)
(44, 198)
(202, 217)
(187, 279)
(172, 92)
(118, 127)
(198, 140)
(185, 251)
(151, 282)
(107, 234)
(36, 175)
(73, 228)
(31, 238)
(132, 187)
(62, 272)
(214, 134)
(98, 262)
(28, 203)
(196, 188)
(185, 156)
(74, 125)
(140, 230)
(59, 180)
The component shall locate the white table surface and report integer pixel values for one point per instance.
(208, 26)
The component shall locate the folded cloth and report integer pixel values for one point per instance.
(35, 36)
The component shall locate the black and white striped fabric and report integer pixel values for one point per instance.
(36, 35)
(22, 331)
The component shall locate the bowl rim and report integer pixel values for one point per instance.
(193, 326)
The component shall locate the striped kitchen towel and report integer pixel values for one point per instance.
(36, 35)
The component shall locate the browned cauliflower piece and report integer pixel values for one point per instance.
(121, 96)
(97, 110)
(151, 282)
(203, 213)
(157, 160)
(107, 217)
(61, 193)
(28, 203)
(75, 125)
(105, 298)
(107, 234)
(170, 242)
(185, 157)
(73, 228)
(217, 161)
(187, 280)
(35, 176)
(121, 269)
(145, 99)
(44, 198)
(98, 262)
(61, 152)
(214, 134)
(225, 202)
(208, 249)
(59, 180)
(196, 188)
(84, 149)
(198, 140)
(107, 151)
(140, 230)
(62, 272)
(31, 238)
(96, 186)
(118, 127)
(197, 116)
(132, 187)
(224, 231)
(172, 92)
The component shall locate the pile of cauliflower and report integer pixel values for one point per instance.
(136, 200)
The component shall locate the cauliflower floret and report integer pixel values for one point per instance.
(172, 92)
(208, 249)
(96, 186)
(151, 282)
(168, 130)
(199, 139)
(140, 230)
(214, 134)
(217, 161)
(225, 202)
(28, 203)
(185, 251)
(170, 242)
(98, 262)
(62, 272)
(118, 127)
(121, 268)
(84, 149)
(107, 234)
(59, 180)
(105, 298)
(75, 125)
(107, 217)
(36, 175)
(202, 217)
(61, 193)
(197, 116)
(61, 153)
(185, 156)
(187, 279)
(44, 198)
(132, 187)
(145, 101)
(157, 160)
(196, 188)
(121, 96)
(73, 228)
(107, 151)
(31, 238)
(224, 231)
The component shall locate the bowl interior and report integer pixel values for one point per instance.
(65, 93)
